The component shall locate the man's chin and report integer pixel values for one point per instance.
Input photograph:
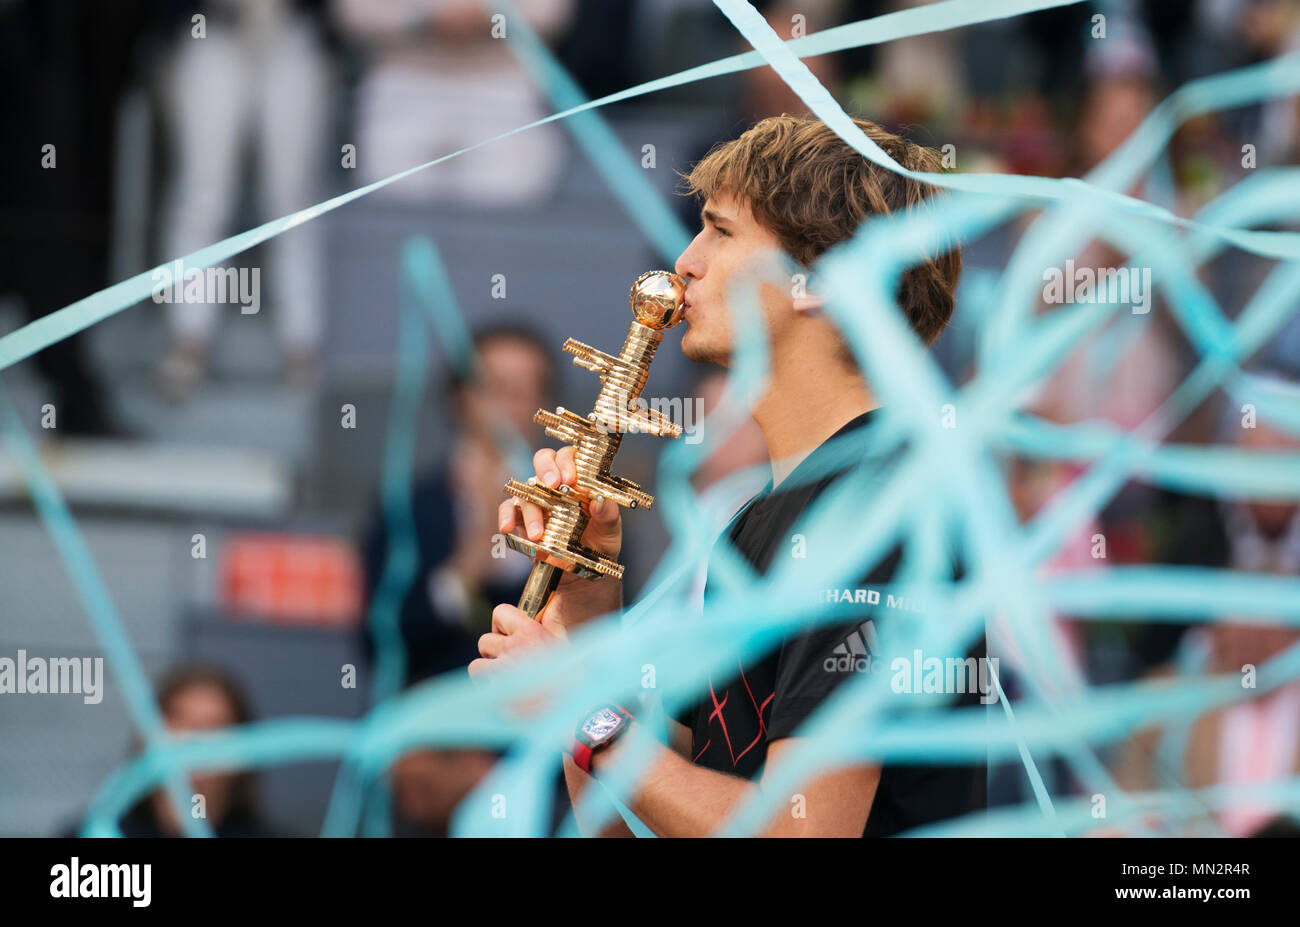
(697, 349)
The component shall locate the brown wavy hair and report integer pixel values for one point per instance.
(811, 190)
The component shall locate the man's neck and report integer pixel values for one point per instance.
(805, 403)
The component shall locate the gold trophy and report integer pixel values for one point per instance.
(656, 299)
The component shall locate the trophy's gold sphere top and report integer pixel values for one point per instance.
(656, 299)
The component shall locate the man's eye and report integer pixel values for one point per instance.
(723, 232)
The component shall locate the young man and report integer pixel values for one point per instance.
(789, 184)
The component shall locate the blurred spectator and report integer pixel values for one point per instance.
(1180, 529)
(1252, 742)
(458, 580)
(1124, 371)
(1125, 50)
(1114, 105)
(428, 784)
(258, 77)
(918, 80)
(1262, 534)
(63, 65)
(198, 698)
(439, 80)
(758, 92)
(1175, 529)
(765, 93)
(1257, 740)
(1271, 28)
(601, 49)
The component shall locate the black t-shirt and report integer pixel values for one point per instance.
(733, 725)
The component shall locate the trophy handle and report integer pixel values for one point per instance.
(542, 581)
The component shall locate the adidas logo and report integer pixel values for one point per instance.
(855, 655)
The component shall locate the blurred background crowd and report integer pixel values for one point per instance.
(236, 517)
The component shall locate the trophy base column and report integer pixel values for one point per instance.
(541, 583)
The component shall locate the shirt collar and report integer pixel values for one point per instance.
(820, 451)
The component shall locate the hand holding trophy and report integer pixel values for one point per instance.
(574, 490)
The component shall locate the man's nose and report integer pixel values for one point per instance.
(688, 265)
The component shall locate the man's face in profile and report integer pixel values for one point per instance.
(730, 242)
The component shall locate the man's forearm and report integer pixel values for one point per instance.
(676, 798)
(578, 782)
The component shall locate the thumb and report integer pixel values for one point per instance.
(605, 527)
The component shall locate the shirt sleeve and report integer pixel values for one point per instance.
(806, 674)
(811, 665)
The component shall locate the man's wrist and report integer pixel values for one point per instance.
(598, 733)
(642, 705)
(601, 759)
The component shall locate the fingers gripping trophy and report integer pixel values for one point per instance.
(656, 300)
